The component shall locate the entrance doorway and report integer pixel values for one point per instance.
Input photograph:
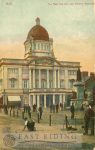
(49, 100)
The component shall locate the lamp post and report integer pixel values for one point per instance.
(5, 102)
(25, 96)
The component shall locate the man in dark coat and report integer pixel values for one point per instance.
(57, 108)
(40, 111)
(72, 109)
(89, 120)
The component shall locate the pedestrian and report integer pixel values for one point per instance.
(34, 107)
(57, 108)
(72, 109)
(25, 124)
(40, 111)
(29, 111)
(61, 106)
(82, 107)
(89, 120)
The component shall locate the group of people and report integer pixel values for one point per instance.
(27, 109)
(55, 107)
(89, 117)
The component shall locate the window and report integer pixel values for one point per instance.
(41, 46)
(13, 83)
(72, 72)
(37, 83)
(50, 84)
(43, 83)
(43, 74)
(12, 70)
(25, 84)
(34, 46)
(62, 84)
(71, 83)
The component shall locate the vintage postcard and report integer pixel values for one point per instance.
(47, 74)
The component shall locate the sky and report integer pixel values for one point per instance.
(71, 24)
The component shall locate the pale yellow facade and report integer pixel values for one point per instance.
(39, 78)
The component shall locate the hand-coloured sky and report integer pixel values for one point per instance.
(71, 24)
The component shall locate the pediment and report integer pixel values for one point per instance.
(46, 61)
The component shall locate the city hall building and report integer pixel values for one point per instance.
(39, 78)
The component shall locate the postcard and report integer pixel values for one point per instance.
(47, 74)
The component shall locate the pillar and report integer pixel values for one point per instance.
(30, 100)
(54, 76)
(34, 99)
(38, 101)
(53, 99)
(66, 78)
(58, 78)
(33, 78)
(47, 78)
(44, 101)
(39, 78)
(63, 99)
(20, 78)
(60, 98)
(30, 79)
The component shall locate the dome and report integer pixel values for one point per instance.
(38, 32)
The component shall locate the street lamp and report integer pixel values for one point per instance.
(5, 102)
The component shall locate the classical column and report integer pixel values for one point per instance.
(20, 78)
(39, 78)
(60, 98)
(30, 79)
(34, 99)
(45, 101)
(63, 99)
(5, 80)
(33, 78)
(66, 78)
(30, 100)
(47, 78)
(58, 78)
(38, 101)
(53, 98)
(54, 76)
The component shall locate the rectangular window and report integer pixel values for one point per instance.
(37, 83)
(62, 84)
(72, 72)
(25, 84)
(12, 70)
(70, 83)
(13, 83)
(43, 83)
(43, 74)
(50, 84)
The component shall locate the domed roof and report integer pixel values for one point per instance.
(38, 32)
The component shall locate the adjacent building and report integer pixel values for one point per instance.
(38, 78)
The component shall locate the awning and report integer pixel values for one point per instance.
(14, 98)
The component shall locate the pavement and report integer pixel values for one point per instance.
(51, 137)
